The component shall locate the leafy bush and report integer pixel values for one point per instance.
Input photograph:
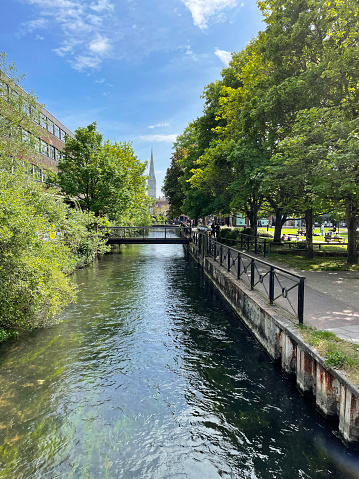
(247, 231)
(7, 334)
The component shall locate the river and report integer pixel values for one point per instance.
(151, 375)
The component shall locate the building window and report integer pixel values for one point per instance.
(3, 89)
(35, 115)
(37, 173)
(63, 135)
(43, 147)
(56, 131)
(50, 126)
(43, 120)
(57, 154)
(51, 152)
(26, 137)
(37, 145)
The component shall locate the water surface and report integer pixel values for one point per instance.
(150, 375)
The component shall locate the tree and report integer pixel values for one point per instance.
(172, 187)
(34, 286)
(18, 110)
(104, 178)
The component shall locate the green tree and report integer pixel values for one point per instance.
(34, 286)
(172, 187)
(104, 178)
(18, 110)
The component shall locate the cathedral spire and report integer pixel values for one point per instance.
(152, 179)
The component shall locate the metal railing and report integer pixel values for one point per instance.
(281, 287)
(145, 231)
(250, 243)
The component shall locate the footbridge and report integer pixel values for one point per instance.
(147, 234)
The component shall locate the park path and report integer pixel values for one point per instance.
(331, 301)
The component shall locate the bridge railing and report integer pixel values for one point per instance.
(159, 231)
(282, 287)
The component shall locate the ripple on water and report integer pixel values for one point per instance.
(151, 376)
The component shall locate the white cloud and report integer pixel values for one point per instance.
(31, 25)
(100, 45)
(224, 56)
(202, 10)
(84, 27)
(159, 138)
(159, 125)
(100, 81)
(102, 5)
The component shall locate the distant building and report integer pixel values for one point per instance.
(152, 179)
(49, 142)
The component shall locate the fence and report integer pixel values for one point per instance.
(281, 287)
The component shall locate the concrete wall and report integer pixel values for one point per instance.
(334, 397)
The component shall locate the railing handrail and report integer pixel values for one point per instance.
(290, 273)
(253, 269)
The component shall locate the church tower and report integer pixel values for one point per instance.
(152, 179)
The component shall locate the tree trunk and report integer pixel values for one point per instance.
(352, 221)
(279, 222)
(253, 219)
(309, 254)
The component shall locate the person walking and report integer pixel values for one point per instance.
(217, 230)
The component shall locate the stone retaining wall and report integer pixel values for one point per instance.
(334, 396)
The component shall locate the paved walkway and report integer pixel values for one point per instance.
(331, 301)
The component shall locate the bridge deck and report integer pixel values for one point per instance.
(146, 235)
(148, 241)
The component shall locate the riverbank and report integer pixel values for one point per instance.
(334, 396)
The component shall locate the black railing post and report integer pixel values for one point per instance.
(229, 259)
(239, 266)
(221, 255)
(215, 251)
(301, 300)
(252, 273)
(271, 285)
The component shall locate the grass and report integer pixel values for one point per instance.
(337, 353)
(316, 264)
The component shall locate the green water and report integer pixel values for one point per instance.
(150, 375)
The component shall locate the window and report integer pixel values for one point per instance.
(56, 131)
(43, 147)
(58, 154)
(43, 120)
(3, 89)
(51, 152)
(30, 169)
(26, 137)
(37, 173)
(50, 126)
(63, 135)
(36, 145)
(35, 115)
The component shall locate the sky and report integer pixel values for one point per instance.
(136, 67)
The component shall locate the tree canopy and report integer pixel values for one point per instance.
(105, 178)
(278, 132)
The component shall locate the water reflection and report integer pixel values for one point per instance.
(150, 375)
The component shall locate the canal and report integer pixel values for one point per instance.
(151, 375)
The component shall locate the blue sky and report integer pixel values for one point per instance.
(136, 67)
